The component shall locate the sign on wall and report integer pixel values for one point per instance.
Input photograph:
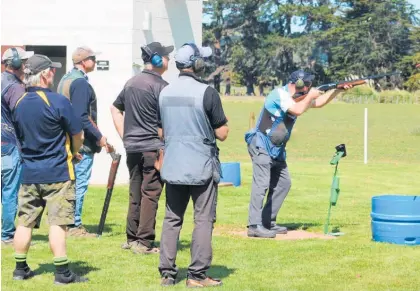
(102, 65)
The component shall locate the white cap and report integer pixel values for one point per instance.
(187, 51)
(23, 55)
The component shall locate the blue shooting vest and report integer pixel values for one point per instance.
(274, 126)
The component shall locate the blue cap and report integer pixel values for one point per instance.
(186, 52)
(300, 74)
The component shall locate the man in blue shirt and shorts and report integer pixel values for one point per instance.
(50, 135)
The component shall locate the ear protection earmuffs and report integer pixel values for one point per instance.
(197, 61)
(16, 62)
(154, 58)
(300, 84)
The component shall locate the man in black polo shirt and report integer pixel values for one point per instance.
(138, 128)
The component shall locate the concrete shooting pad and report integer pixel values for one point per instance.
(291, 235)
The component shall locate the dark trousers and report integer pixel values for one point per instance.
(205, 201)
(145, 190)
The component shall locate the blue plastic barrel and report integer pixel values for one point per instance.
(396, 219)
(231, 173)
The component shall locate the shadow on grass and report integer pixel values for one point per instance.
(182, 245)
(40, 237)
(306, 226)
(335, 229)
(93, 228)
(78, 267)
(215, 271)
(300, 225)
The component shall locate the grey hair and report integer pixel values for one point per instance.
(33, 80)
(7, 63)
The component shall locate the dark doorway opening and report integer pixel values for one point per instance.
(56, 54)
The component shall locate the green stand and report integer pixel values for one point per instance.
(335, 186)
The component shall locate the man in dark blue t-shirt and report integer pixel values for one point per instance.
(50, 136)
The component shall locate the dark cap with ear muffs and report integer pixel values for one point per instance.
(153, 53)
(301, 79)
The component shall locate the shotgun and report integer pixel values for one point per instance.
(116, 158)
(339, 85)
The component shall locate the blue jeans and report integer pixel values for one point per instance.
(11, 170)
(83, 171)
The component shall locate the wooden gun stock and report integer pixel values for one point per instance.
(116, 158)
(353, 83)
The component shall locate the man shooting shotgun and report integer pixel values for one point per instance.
(266, 146)
(342, 84)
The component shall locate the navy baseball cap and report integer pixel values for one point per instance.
(300, 74)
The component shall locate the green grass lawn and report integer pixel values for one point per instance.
(350, 262)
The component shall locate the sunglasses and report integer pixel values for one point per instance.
(93, 58)
(308, 84)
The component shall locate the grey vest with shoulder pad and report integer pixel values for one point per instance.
(191, 155)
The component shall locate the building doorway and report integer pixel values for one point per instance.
(56, 54)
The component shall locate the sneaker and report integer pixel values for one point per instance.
(260, 231)
(139, 248)
(7, 242)
(23, 274)
(167, 281)
(68, 277)
(278, 229)
(128, 245)
(208, 282)
(79, 231)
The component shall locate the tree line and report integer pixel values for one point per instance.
(263, 41)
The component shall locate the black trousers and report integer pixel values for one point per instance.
(145, 191)
(205, 202)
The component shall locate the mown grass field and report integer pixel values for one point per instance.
(350, 262)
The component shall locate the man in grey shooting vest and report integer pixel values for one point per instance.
(192, 119)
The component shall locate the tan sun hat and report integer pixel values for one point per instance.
(82, 53)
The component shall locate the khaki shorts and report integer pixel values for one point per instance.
(59, 198)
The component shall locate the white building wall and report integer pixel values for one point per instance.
(115, 28)
(170, 22)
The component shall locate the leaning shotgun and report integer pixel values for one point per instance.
(116, 158)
